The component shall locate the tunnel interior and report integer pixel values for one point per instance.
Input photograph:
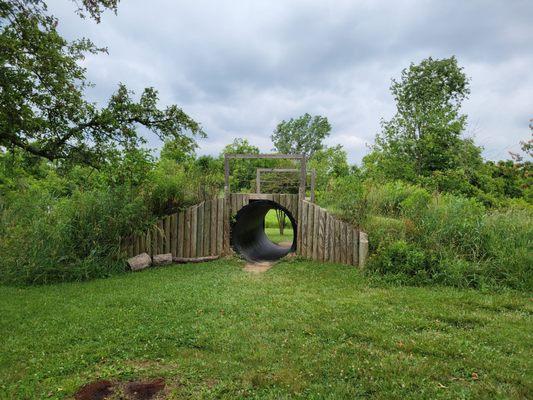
(248, 237)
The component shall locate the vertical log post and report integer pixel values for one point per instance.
(227, 213)
(313, 183)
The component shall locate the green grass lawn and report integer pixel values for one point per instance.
(272, 229)
(275, 237)
(300, 330)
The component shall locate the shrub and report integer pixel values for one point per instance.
(47, 239)
(347, 198)
(402, 260)
(384, 230)
(463, 243)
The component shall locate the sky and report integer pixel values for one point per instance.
(241, 67)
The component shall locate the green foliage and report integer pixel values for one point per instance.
(347, 197)
(169, 188)
(58, 225)
(181, 149)
(42, 106)
(303, 135)
(463, 242)
(330, 163)
(48, 239)
(424, 137)
(242, 171)
(404, 261)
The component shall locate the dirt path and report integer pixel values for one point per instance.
(257, 268)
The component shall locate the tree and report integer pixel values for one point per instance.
(329, 163)
(181, 149)
(43, 110)
(303, 135)
(425, 134)
(525, 145)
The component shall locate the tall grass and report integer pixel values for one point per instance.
(420, 237)
(46, 239)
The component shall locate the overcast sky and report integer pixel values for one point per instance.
(240, 67)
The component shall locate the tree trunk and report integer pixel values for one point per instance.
(281, 221)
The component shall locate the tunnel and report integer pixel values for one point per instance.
(248, 237)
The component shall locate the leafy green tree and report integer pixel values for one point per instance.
(303, 135)
(181, 149)
(329, 163)
(43, 110)
(425, 134)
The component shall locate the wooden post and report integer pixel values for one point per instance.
(258, 181)
(303, 177)
(221, 212)
(181, 233)
(301, 198)
(200, 231)
(166, 229)
(207, 228)
(227, 214)
(313, 182)
(214, 226)
(174, 234)
(363, 248)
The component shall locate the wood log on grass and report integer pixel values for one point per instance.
(139, 262)
(162, 259)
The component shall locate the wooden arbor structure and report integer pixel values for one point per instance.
(204, 229)
(260, 171)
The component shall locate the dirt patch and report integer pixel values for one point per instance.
(98, 390)
(144, 390)
(257, 268)
(137, 390)
(287, 243)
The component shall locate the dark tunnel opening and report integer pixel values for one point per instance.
(248, 237)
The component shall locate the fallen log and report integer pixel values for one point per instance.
(186, 260)
(162, 259)
(139, 262)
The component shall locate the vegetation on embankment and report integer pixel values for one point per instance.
(300, 330)
(418, 237)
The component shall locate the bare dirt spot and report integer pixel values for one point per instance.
(286, 243)
(144, 390)
(137, 390)
(98, 390)
(257, 268)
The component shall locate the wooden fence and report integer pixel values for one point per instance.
(322, 237)
(195, 232)
(201, 230)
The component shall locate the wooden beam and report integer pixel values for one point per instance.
(277, 169)
(255, 156)
(303, 175)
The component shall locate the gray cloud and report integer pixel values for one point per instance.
(240, 67)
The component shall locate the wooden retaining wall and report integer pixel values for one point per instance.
(202, 230)
(322, 237)
(194, 232)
